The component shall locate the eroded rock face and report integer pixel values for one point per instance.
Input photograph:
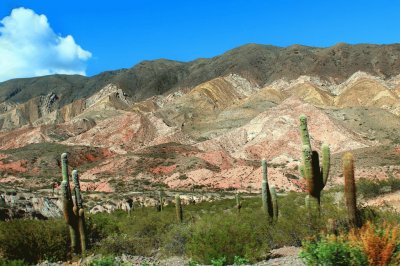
(18, 115)
(16, 204)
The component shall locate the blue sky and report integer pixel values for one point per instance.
(118, 34)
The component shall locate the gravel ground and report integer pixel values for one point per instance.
(282, 256)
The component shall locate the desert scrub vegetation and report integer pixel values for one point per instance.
(210, 230)
(373, 188)
(372, 244)
(5, 262)
(33, 240)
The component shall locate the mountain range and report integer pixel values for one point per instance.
(206, 124)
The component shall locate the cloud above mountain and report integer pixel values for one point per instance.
(30, 47)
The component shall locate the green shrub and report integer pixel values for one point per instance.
(227, 235)
(34, 241)
(124, 244)
(175, 239)
(192, 263)
(373, 188)
(295, 224)
(211, 230)
(5, 262)
(218, 261)
(332, 252)
(237, 260)
(139, 234)
(104, 261)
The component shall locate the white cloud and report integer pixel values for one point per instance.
(29, 47)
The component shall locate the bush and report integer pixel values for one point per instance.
(210, 230)
(369, 245)
(139, 234)
(175, 239)
(125, 244)
(295, 223)
(237, 260)
(105, 261)
(34, 241)
(218, 261)
(5, 262)
(380, 244)
(331, 251)
(228, 236)
(373, 188)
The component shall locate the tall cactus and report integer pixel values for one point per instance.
(350, 189)
(73, 211)
(316, 175)
(178, 207)
(274, 199)
(266, 194)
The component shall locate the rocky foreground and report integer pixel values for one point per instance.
(279, 257)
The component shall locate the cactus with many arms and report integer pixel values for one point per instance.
(73, 211)
(266, 194)
(316, 175)
(350, 189)
(178, 207)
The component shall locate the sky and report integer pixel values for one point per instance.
(41, 37)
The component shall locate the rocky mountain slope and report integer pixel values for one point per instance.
(208, 123)
(262, 64)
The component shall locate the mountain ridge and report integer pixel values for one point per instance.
(259, 63)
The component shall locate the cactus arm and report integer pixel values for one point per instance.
(66, 191)
(305, 136)
(178, 208)
(274, 198)
(326, 160)
(77, 189)
(350, 188)
(64, 167)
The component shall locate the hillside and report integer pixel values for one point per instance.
(206, 124)
(262, 64)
